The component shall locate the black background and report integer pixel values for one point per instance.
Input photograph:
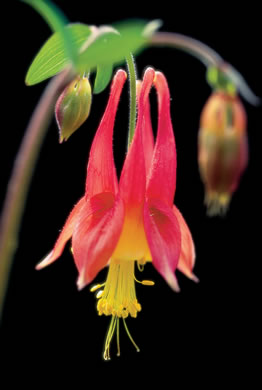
(209, 329)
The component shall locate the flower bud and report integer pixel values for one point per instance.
(222, 149)
(73, 107)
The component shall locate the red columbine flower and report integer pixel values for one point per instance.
(223, 149)
(133, 220)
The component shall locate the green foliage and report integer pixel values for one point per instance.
(98, 49)
(52, 57)
(103, 77)
(112, 45)
(57, 21)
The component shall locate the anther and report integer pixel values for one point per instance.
(99, 294)
(145, 282)
(148, 282)
(96, 287)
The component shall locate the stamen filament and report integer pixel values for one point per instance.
(130, 337)
(109, 337)
(117, 337)
(119, 295)
(140, 267)
(118, 299)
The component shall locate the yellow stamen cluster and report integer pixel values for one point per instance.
(118, 299)
(119, 296)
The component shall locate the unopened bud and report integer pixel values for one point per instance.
(222, 149)
(73, 107)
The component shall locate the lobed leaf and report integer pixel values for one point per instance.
(57, 22)
(112, 45)
(98, 49)
(52, 57)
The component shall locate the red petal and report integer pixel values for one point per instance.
(164, 240)
(187, 256)
(133, 176)
(101, 172)
(64, 236)
(162, 178)
(148, 137)
(96, 234)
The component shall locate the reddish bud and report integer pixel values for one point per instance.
(222, 149)
(73, 107)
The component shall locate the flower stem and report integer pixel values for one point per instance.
(208, 57)
(132, 84)
(23, 169)
(192, 46)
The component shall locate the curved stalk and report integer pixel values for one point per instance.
(190, 45)
(208, 57)
(22, 173)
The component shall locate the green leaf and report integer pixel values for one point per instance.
(98, 48)
(112, 45)
(57, 21)
(103, 77)
(52, 57)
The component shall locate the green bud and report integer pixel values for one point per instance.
(73, 107)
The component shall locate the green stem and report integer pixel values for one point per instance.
(19, 182)
(132, 84)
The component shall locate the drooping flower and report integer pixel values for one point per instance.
(118, 224)
(222, 149)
